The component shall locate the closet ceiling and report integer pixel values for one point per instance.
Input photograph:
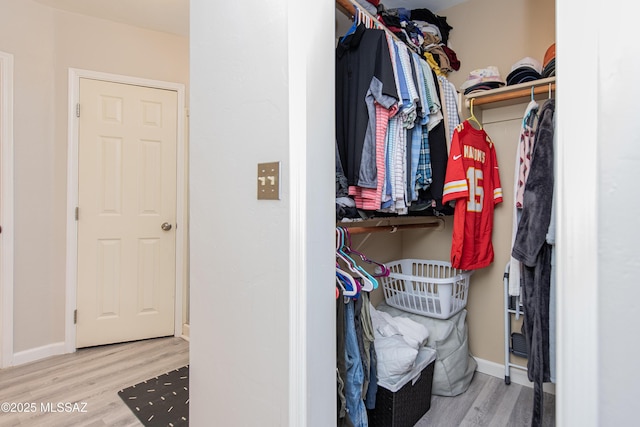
(172, 16)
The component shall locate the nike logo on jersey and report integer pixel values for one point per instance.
(457, 157)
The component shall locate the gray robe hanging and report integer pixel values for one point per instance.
(533, 251)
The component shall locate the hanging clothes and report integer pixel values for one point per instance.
(551, 240)
(341, 368)
(385, 143)
(369, 356)
(522, 168)
(433, 96)
(356, 369)
(364, 75)
(423, 174)
(449, 94)
(355, 372)
(414, 134)
(431, 198)
(473, 180)
(533, 251)
(370, 198)
(396, 195)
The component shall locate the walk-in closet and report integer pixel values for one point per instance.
(501, 105)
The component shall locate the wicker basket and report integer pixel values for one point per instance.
(405, 403)
(426, 287)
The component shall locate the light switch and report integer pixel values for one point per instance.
(269, 181)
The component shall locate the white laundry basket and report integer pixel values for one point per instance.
(426, 287)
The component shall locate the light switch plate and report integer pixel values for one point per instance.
(269, 181)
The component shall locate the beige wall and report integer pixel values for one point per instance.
(26, 32)
(380, 247)
(489, 32)
(45, 44)
(499, 32)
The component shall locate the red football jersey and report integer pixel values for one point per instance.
(473, 180)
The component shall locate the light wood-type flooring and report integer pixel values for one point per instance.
(95, 375)
(92, 375)
(488, 402)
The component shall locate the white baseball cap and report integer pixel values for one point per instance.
(482, 75)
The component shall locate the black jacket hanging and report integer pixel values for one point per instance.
(363, 69)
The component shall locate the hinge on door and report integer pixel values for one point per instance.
(78, 110)
(75, 316)
(77, 213)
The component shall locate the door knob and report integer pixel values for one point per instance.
(166, 226)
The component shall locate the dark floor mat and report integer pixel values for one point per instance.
(162, 400)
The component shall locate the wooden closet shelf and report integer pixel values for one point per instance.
(392, 225)
(508, 95)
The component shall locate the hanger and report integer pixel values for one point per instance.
(343, 278)
(369, 283)
(368, 22)
(381, 269)
(353, 26)
(473, 118)
(532, 109)
(370, 280)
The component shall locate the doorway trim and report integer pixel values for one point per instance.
(72, 194)
(6, 209)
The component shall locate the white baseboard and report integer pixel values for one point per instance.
(38, 353)
(185, 332)
(56, 349)
(516, 375)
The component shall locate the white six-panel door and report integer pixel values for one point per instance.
(127, 212)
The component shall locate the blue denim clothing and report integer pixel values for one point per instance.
(355, 374)
(372, 390)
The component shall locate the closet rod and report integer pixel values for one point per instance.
(391, 228)
(505, 96)
(347, 7)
